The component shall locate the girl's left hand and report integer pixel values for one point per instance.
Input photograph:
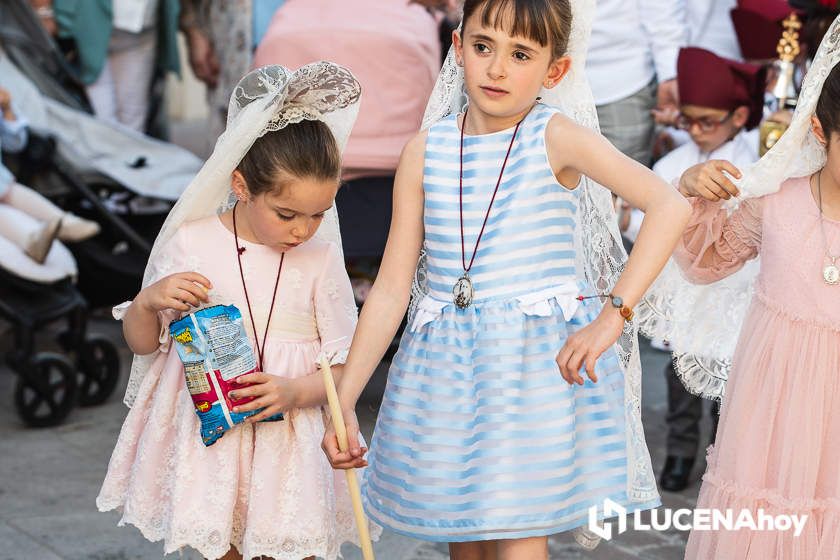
(271, 392)
(584, 347)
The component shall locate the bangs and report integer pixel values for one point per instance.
(519, 18)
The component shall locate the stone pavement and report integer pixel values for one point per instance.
(49, 479)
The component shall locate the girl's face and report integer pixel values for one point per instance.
(503, 74)
(285, 218)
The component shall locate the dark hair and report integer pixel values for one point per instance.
(828, 105)
(548, 22)
(300, 150)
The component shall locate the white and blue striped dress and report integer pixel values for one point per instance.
(478, 436)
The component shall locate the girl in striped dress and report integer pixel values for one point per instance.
(504, 416)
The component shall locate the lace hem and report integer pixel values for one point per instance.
(210, 544)
(704, 377)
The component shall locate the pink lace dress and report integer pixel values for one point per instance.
(268, 489)
(778, 442)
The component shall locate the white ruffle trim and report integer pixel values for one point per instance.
(535, 303)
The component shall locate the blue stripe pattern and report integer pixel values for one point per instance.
(478, 436)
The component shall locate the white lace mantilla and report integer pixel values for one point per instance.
(266, 99)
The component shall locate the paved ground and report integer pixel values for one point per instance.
(49, 479)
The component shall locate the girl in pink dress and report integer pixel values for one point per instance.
(264, 489)
(778, 443)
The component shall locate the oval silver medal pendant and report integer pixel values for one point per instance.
(463, 292)
(831, 274)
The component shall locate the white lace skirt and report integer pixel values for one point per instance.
(266, 489)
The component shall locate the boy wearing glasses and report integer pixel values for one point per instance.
(721, 104)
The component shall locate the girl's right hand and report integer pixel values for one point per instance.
(354, 457)
(178, 291)
(707, 180)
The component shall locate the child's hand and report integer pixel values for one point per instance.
(273, 393)
(5, 100)
(354, 457)
(6, 104)
(584, 347)
(708, 181)
(177, 291)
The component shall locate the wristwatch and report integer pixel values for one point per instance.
(624, 310)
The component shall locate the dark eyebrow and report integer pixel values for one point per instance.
(293, 211)
(481, 37)
(521, 47)
(487, 39)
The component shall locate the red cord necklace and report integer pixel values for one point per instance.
(239, 251)
(463, 290)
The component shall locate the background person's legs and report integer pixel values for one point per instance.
(132, 63)
(683, 420)
(102, 94)
(121, 93)
(628, 124)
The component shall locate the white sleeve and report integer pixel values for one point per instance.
(13, 134)
(664, 25)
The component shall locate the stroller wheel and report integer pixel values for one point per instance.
(100, 370)
(46, 392)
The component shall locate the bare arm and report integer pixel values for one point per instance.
(387, 302)
(385, 306)
(577, 150)
(666, 211)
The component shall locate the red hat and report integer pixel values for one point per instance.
(758, 25)
(707, 80)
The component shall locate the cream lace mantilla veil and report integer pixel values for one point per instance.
(265, 99)
(600, 255)
(703, 341)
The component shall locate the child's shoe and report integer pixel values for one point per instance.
(74, 228)
(40, 242)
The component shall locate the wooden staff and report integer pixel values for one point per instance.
(352, 481)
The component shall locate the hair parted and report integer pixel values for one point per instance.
(548, 22)
(306, 149)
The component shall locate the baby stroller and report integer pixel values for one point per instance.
(50, 384)
(124, 180)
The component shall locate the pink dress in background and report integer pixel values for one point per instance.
(778, 442)
(268, 488)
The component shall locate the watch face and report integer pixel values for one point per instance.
(617, 301)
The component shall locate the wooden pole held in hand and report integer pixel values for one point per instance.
(352, 481)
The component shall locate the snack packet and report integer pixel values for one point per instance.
(215, 351)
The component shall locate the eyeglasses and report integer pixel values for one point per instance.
(706, 124)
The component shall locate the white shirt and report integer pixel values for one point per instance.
(710, 27)
(741, 151)
(135, 16)
(632, 42)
